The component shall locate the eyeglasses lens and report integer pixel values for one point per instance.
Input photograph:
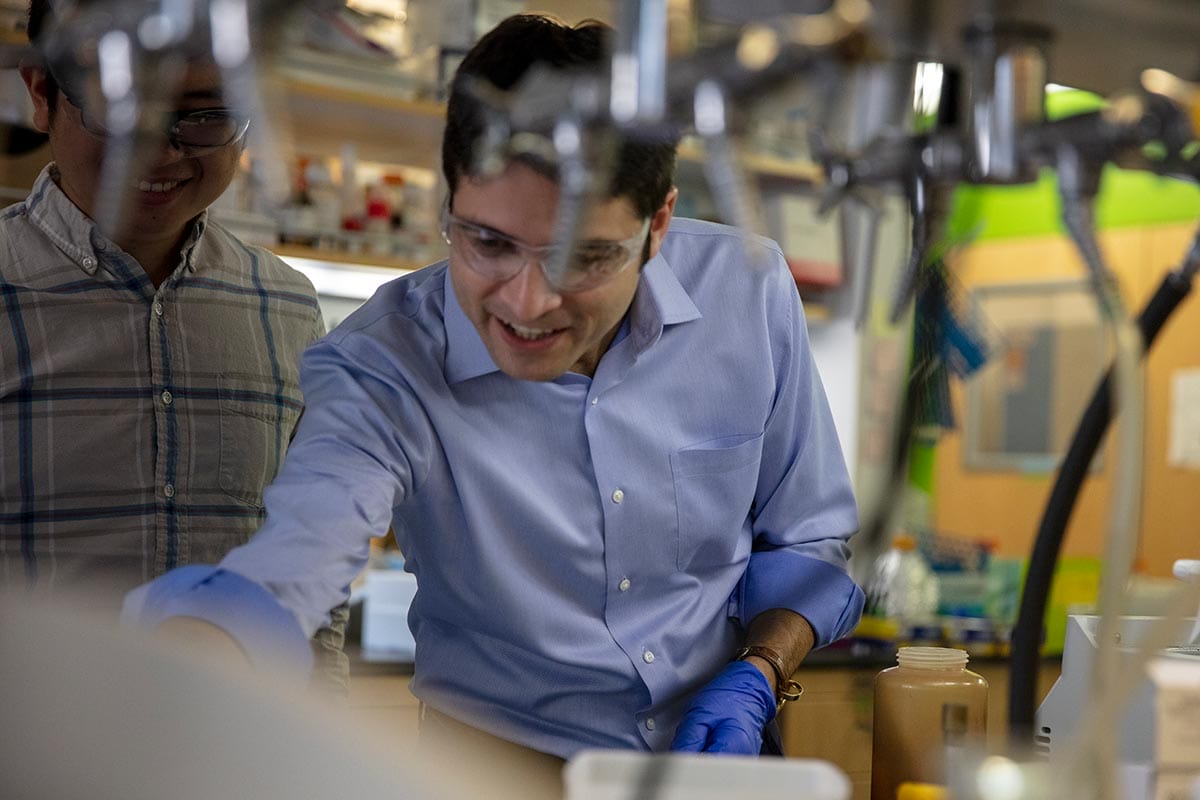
(207, 129)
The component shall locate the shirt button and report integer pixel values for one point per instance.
(166, 398)
(169, 490)
(595, 400)
(88, 262)
(649, 723)
(623, 585)
(618, 496)
(158, 308)
(648, 657)
(102, 245)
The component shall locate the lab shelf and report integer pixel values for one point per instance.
(324, 102)
(761, 165)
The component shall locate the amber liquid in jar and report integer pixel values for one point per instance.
(928, 702)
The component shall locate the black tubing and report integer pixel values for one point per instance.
(1027, 635)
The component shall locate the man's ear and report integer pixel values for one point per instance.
(35, 78)
(661, 221)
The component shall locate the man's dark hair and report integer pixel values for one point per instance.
(42, 18)
(39, 12)
(644, 169)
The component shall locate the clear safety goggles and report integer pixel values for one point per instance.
(498, 257)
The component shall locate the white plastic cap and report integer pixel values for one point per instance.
(1187, 569)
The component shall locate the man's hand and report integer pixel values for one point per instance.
(226, 614)
(728, 715)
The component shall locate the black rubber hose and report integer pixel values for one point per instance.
(1027, 635)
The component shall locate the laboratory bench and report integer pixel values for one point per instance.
(379, 687)
(831, 721)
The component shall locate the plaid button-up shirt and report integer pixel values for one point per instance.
(138, 426)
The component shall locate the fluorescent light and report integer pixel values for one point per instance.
(344, 280)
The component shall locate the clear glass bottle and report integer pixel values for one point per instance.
(928, 702)
(903, 587)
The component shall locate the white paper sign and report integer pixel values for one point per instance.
(1184, 448)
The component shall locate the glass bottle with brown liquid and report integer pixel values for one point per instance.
(929, 701)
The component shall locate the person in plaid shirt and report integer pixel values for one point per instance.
(149, 375)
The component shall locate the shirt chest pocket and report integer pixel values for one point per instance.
(714, 490)
(255, 430)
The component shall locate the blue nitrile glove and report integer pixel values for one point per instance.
(728, 715)
(266, 631)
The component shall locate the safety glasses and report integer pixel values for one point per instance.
(194, 132)
(498, 257)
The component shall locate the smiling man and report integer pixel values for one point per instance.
(149, 375)
(188, 168)
(618, 484)
(533, 330)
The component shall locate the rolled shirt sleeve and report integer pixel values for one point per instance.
(817, 590)
(264, 630)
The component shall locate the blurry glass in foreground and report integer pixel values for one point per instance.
(94, 710)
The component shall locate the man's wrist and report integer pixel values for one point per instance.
(768, 661)
(765, 668)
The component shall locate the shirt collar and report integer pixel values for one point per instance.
(76, 234)
(466, 355)
(72, 231)
(194, 244)
(660, 300)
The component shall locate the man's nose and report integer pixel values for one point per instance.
(528, 294)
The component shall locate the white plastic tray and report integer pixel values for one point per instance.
(629, 775)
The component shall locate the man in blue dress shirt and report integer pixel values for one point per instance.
(620, 488)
